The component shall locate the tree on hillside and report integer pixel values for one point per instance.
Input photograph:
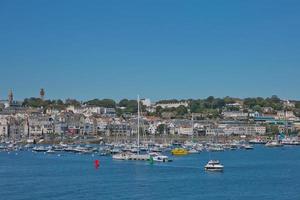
(107, 103)
(73, 102)
(181, 110)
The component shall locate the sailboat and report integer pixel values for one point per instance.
(136, 155)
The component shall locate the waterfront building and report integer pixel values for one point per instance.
(3, 126)
(39, 125)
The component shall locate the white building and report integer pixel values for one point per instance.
(184, 130)
(244, 130)
(146, 102)
(234, 114)
(172, 105)
(282, 115)
(3, 126)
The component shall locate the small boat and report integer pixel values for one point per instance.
(193, 151)
(120, 156)
(257, 141)
(40, 149)
(248, 147)
(159, 158)
(214, 166)
(179, 152)
(50, 151)
(215, 148)
(274, 144)
(290, 141)
(233, 147)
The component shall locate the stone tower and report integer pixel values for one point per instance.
(10, 97)
(42, 93)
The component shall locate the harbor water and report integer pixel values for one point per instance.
(262, 173)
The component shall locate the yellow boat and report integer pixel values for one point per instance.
(179, 152)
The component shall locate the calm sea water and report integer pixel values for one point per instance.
(258, 174)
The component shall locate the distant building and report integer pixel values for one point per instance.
(289, 104)
(108, 112)
(172, 105)
(282, 115)
(245, 130)
(146, 102)
(236, 105)
(235, 114)
(267, 110)
(254, 114)
(3, 126)
(183, 130)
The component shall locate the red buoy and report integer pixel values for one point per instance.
(97, 164)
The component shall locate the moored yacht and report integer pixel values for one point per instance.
(257, 141)
(40, 149)
(274, 143)
(193, 151)
(290, 141)
(120, 156)
(248, 147)
(50, 151)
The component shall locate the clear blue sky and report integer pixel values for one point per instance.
(156, 48)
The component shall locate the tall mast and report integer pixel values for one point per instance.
(192, 127)
(138, 131)
(286, 120)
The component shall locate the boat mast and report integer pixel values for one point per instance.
(138, 131)
(192, 127)
(286, 120)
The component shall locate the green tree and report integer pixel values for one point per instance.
(257, 108)
(181, 110)
(161, 129)
(107, 103)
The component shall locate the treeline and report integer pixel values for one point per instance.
(124, 106)
(54, 104)
(257, 103)
(209, 106)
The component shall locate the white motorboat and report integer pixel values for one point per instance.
(214, 165)
(257, 141)
(40, 149)
(274, 144)
(120, 156)
(192, 151)
(248, 147)
(159, 158)
(290, 141)
(50, 151)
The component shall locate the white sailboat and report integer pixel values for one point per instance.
(137, 155)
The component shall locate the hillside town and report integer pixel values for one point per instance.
(37, 119)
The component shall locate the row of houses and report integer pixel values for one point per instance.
(20, 122)
(72, 124)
